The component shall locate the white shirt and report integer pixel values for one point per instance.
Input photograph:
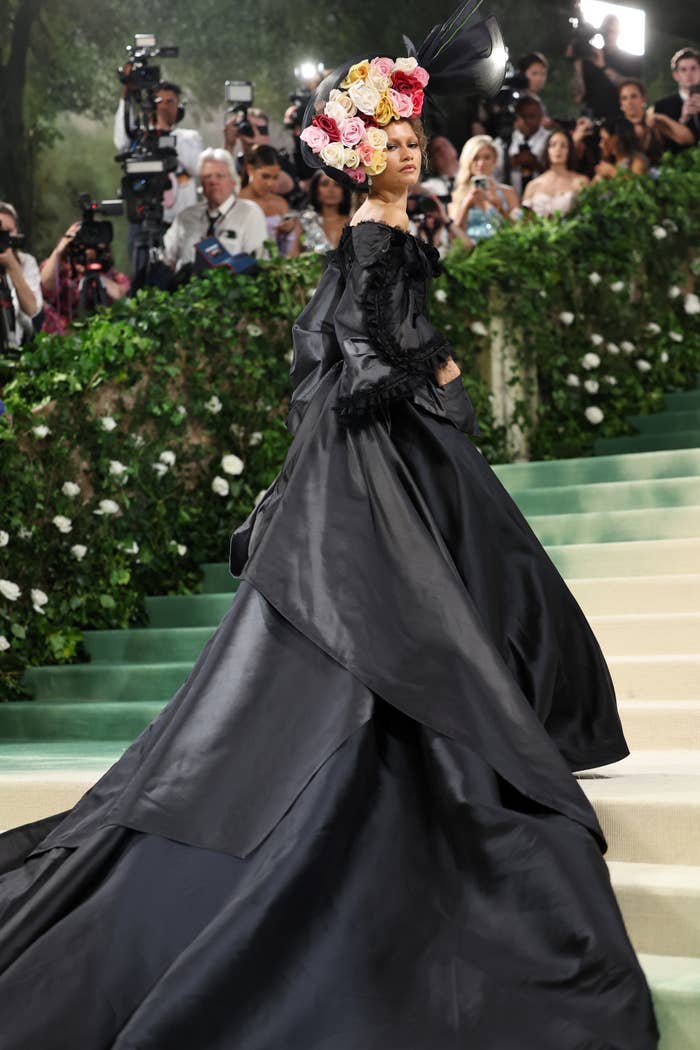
(23, 322)
(439, 185)
(188, 143)
(538, 145)
(240, 228)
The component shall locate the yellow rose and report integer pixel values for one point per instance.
(360, 71)
(377, 138)
(385, 111)
(378, 163)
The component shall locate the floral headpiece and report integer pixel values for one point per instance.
(348, 136)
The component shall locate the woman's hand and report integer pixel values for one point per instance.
(67, 238)
(446, 372)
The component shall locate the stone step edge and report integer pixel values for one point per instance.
(636, 483)
(635, 512)
(658, 877)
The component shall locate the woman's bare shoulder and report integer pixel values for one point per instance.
(389, 215)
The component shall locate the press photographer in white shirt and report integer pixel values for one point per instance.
(24, 281)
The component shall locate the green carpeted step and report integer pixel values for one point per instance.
(682, 400)
(216, 578)
(32, 720)
(648, 442)
(96, 682)
(667, 422)
(188, 610)
(147, 645)
(675, 988)
(637, 558)
(617, 526)
(610, 495)
(60, 756)
(682, 463)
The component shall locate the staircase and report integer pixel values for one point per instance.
(624, 530)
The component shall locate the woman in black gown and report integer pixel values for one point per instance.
(355, 827)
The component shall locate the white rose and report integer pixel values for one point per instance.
(160, 468)
(38, 599)
(78, 551)
(628, 347)
(543, 293)
(643, 365)
(4, 644)
(9, 590)
(675, 337)
(674, 291)
(213, 405)
(289, 356)
(232, 465)
(4, 538)
(597, 340)
(41, 431)
(333, 154)
(594, 414)
(692, 304)
(344, 101)
(617, 286)
(611, 380)
(572, 380)
(253, 330)
(567, 317)
(613, 349)
(337, 111)
(594, 278)
(181, 549)
(133, 548)
(69, 488)
(441, 295)
(24, 534)
(591, 386)
(365, 96)
(107, 506)
(107, 422)
(62, 523)
(653, 328)
(260, 496)
(406, 65)
(377, 138)
(138, 439)
(479, 328)
(168, 458)
(220, 486)
(116, 469)
(660, 233)
(181, 410)
(664, 357)
(590, 360)
(351, 158)
(255, 438)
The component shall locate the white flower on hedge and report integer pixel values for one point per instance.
(692, 304)
(289, 356)
(664, 357)
(231, 464)
(137, 440)
(9, 590)
(181, 549)
(441, 295)
(479, 328)
(653, 327)
(675, 337)
(108, 422)
(594, 278)
(643, 365)
(107, 506)
(617, 286)
(572, 380)
(597, 339)
(213, 405)
(674, 291)
(220, 486)
(181, 410)
(160, 468)
(566, 317)
(590, 360)
(592, 386)
(594, 414)
(62, 523)
(543, 293)
(611, 380)
(255, 438)
(254, 330)
(660, 233)
(628, 347)
(260, 496)
(24, 534)
(116, 468)
(78, 550)
(39, 598)
(41, 431)
(167, 457)
(69, 488)
(613, 349)
(4, 538)
(4, 644)
(133, 548)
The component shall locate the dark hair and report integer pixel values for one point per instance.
(685, 52)
(169, 85)
(623, 130)
(531, 59)
(527, 100)
(343, 207)
(570, 148)
(260, 156)
(632, 82)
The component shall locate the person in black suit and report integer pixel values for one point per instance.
(684, 105)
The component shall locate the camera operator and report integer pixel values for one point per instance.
(599, 72)
(188, 143)
(525, 156)
(20, 286)
(238, 224)
(428, 222)
(63, 277)
(683, 107)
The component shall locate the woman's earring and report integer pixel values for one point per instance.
(369, 182)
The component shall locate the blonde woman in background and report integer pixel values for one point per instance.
(480, 205)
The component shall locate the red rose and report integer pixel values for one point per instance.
(328, 125)
(370, 122)
(418, 97)
(405, 82)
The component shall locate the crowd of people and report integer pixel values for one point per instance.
(517, 160)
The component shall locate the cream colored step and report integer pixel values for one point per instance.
(658, 633)
(629, 558)
(25, 797)
(629, 595)
(660, 904)
(656, 677)
(670, 724)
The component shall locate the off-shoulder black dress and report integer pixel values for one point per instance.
(355, 827)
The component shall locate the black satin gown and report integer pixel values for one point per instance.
(355, 827)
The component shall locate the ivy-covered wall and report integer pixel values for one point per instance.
(132, 447)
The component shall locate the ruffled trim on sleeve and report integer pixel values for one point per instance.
(372, 400)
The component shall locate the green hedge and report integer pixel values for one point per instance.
(172, 408)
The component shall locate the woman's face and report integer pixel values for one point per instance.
(632, 102)
(330, 192)
(558, 150)
(263, 180)
(484, 162)
(536, 77)
(403, 158)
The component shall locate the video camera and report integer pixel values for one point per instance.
(10, 240)
(239, 95)
(502, 107)
(94, 235)
(141, 75)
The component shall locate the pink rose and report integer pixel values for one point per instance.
(403, 104)
(356, 174)
(383, 66)
(365, 152)
(417, 103)
(421, 75)
(352, 131)
(315, 138)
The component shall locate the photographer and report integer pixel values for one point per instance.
(683, 107)
(20, 286)
(599, 72)
(247, 127)
(429, 223)
(239, 225)
(524, 159)
(64, 275)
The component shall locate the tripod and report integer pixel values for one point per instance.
(92, 291)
